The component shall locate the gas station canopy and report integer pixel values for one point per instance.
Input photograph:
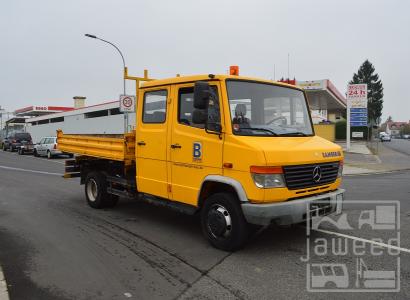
(36, 111)
(323, 95)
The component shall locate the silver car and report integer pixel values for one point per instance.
(48, 147)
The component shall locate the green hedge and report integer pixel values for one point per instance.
(341, 131)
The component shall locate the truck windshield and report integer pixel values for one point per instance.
(262, 109)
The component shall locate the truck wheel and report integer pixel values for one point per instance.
(96, 191)
(223, 223)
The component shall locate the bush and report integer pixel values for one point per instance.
(341, 131)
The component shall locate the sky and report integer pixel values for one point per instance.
(46, 60)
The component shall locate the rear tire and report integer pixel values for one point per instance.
(223, 222)
(96, 191)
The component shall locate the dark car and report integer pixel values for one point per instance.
(14, 141)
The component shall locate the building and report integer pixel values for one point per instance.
(104, 118)
(395, 128)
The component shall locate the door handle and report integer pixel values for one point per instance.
(141, 143)
(176, 146)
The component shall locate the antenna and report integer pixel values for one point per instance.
(274, 72)
(288, 67)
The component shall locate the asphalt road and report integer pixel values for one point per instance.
(53, 246)
(400, 145)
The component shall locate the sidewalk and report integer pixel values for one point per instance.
(360, 160)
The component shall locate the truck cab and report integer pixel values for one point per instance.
(238, 151)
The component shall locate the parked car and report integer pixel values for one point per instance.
(15, 140)
(385, 138)
(48, 147)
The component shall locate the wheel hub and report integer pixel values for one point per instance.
(219, 221)
(92, 190)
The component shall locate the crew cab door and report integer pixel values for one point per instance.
(194, 153)
(151, 142)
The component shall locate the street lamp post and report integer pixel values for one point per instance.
(125, 68)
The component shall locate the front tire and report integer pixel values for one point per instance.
(49, 155)
(96, 191)
(35, 153)
(4, 147)
(223, 222)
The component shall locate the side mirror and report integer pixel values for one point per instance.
(202, 93)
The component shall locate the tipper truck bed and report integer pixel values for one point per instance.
(240, 152)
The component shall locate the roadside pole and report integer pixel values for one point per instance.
(348, 124)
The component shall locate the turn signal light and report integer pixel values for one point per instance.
(266, 170)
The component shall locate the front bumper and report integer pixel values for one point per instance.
(292, 211)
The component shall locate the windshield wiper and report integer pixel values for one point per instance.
(300, 133)
(260, 129)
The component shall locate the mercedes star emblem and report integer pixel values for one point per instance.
(317, 174)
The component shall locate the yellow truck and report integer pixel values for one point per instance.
(240, 152)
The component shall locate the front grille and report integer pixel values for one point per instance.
(302, 176)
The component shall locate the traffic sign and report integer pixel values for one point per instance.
(127, 103)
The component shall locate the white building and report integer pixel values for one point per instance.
(104, 118)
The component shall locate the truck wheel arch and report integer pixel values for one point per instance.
(216, 183)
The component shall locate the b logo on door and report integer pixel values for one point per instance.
(197, 152)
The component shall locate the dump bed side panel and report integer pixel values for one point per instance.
(119, 148)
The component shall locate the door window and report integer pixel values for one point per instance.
(155, 107)
(186, 107)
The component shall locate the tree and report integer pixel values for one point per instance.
(389, 119)
(366, 74)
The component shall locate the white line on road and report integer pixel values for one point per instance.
(39, 158)
(363, 240)
(30, 171)
(4, 295)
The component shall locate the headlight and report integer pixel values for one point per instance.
(266, 181)
(340, 171)
(268, 177)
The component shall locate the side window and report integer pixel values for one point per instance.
(155, 107)
(186, 106)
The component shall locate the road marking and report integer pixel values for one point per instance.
(4, 295)
(30, 171)
(40, 158)
(363, 240)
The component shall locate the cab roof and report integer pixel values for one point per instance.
(204, 77)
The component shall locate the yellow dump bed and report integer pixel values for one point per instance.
(120, 148)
